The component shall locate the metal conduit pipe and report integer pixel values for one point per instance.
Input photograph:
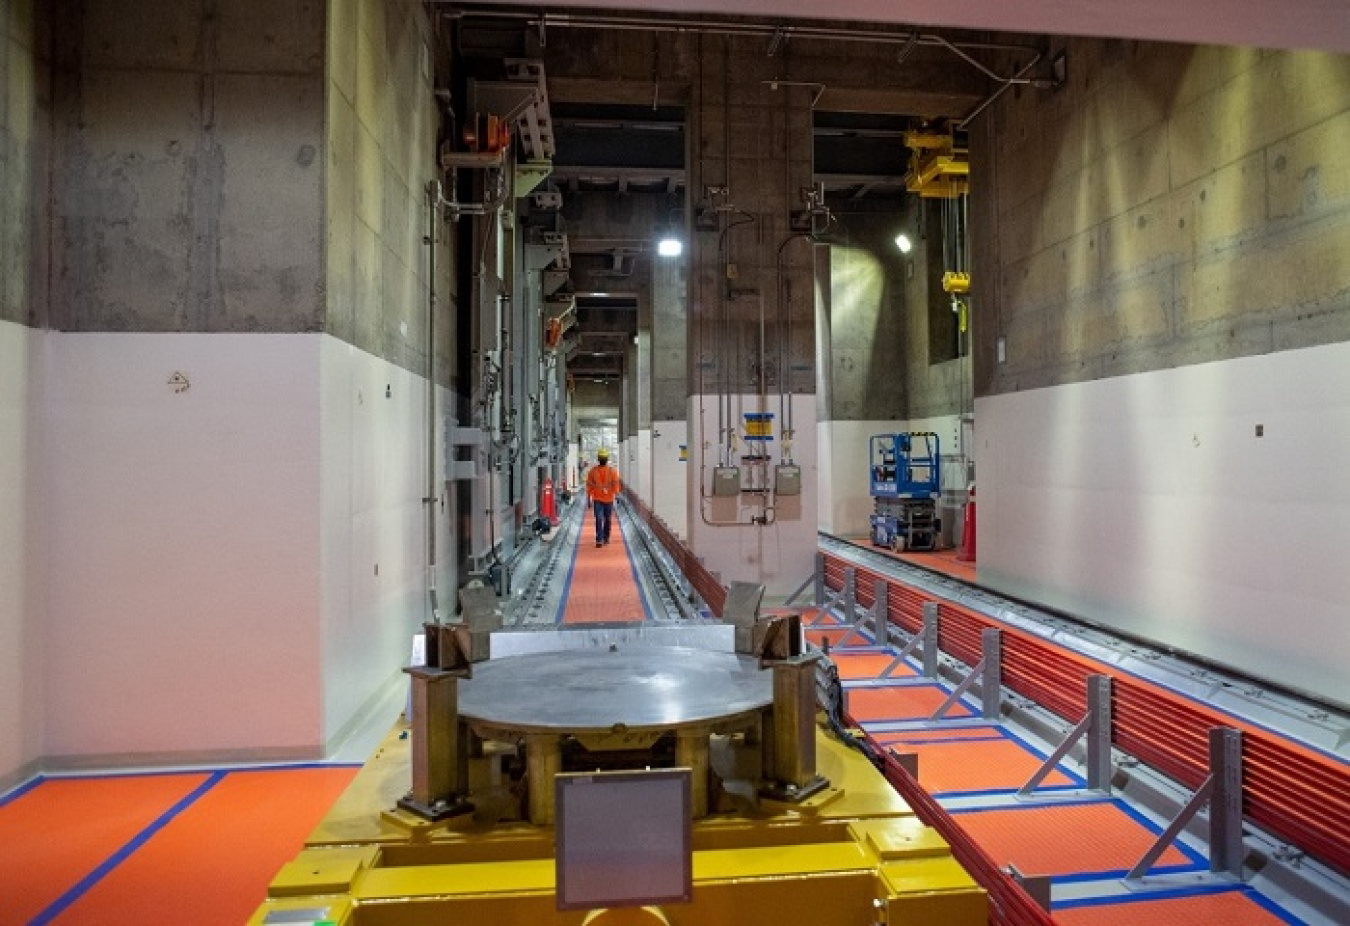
(434, 196)
(908, 40)
(989, 101)
(711, 27)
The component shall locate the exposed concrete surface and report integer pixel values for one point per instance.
(380, 143)
(752, 302)
(869, 310)
(24, 113)
(1170, 206)
(669, 339)
(23, 138)
(187, 178)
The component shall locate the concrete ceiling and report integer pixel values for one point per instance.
(1309, 24)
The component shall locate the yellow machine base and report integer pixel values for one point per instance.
(851, 854)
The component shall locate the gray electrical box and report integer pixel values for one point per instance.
(726, 480)
(787, 480)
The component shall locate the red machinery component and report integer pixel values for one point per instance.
(548, 507)
(967, 552)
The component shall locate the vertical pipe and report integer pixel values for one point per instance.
(433, 194)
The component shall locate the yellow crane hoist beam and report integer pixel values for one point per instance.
(938, 167)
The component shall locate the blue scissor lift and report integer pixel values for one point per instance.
(905, 487)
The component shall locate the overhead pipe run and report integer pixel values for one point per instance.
(778, 35)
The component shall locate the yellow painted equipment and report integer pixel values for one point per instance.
(852, 853)
(956, 282)
(939, 167)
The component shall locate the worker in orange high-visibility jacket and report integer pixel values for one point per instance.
(602, 485)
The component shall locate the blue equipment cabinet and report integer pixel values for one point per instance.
(905, 486)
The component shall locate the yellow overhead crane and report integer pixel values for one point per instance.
(939, 167)
(819, 838)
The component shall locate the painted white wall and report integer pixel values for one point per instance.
(845, 488)
(183, 546)
(642, 465)
(782, 555)
(373, 525)
(21, 541)
(669, 487)
(1147, 503)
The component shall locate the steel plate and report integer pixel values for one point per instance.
(639, 688)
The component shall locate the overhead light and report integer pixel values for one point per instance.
(903, 243)
(670, 247)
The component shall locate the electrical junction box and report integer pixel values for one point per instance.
(787, 480)
(726, 481)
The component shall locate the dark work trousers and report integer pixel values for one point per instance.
(604, 515)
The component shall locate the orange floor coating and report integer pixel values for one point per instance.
(1062, 840)
(992, 765)
(57, 833)
(868, 665)
(819, 637)
(602, 589)
(943, 561)
(1232, 908)
(899, 703)
(212, 863)
(926, 736)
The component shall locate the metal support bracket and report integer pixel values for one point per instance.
(930, 639)
(1222, 790)
(873, 617)
(1036, 886)
(988, 671)
(1096, 726)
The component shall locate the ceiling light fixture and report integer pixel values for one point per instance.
(670, 247)
(903, 243)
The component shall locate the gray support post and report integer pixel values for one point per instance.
(990, 675)
(881, 610)
(820, 580)
(1099, 733)
(440, 746)
(1096, 726)
(850, 595)
(1222, 790)
(930, 639)
(991, 685)
(1036, 886)
(876, 615)
(900, 657)
(792, 767)
(1225, 806)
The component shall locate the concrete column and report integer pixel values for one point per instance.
(751, 321)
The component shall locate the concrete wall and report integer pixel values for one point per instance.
(1168, 269)
(780, 555)
(869, 344)
(1173, 205)
(373, 526)
(24, 115)
(190, 175)
(1148, 503)
(197, 563)
(22, 538)
(866, 347)
(380, 133)
(184, 589)
(845, 486)
(670, 475)
(24, 139)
